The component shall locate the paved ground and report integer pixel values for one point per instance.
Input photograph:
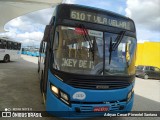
(19, 88)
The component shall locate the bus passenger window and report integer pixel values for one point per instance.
(8, 45)
(19, 46)
(0, 44)
(4, 44)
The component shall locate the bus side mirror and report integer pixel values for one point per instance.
(46, 33)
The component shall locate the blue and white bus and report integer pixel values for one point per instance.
(87, 62)
(24, 50)
(31, 51)
(9, 50)
(35, 52)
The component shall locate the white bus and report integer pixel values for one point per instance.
(9, 49)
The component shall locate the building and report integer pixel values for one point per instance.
(148, 53)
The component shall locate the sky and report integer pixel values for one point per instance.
(29, 28)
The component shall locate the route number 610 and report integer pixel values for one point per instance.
(78, 15)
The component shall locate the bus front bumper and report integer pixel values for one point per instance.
(56, 107)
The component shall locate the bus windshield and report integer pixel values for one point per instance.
(121, 57)
(87, 51)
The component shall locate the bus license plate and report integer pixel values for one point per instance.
(101, 109)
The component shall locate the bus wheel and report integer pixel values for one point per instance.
(6, 58)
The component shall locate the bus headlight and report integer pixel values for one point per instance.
(55, 90)
(60, 94)
(64, 96)
(130, 95)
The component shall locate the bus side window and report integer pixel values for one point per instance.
(4, 44)
(14, 46)
(11, 46)
(19, 46)
(8, 45)
(0, 44)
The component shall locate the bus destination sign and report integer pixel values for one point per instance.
(100, 19)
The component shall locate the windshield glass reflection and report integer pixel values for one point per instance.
(83, 52)
(121, 56)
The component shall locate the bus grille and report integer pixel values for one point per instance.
(97, 84)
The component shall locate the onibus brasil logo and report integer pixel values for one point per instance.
(9, 113)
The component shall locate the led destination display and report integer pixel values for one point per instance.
(100, 19)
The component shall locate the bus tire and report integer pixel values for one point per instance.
(6, 58)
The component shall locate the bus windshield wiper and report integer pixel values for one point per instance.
(87, 38)
(113, 46)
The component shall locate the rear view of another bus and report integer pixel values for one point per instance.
(9, 50)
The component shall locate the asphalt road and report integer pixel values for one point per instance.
(19, 88)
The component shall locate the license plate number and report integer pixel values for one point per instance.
(101, 109)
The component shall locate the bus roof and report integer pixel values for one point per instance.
(7, 39)
(94, 15)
